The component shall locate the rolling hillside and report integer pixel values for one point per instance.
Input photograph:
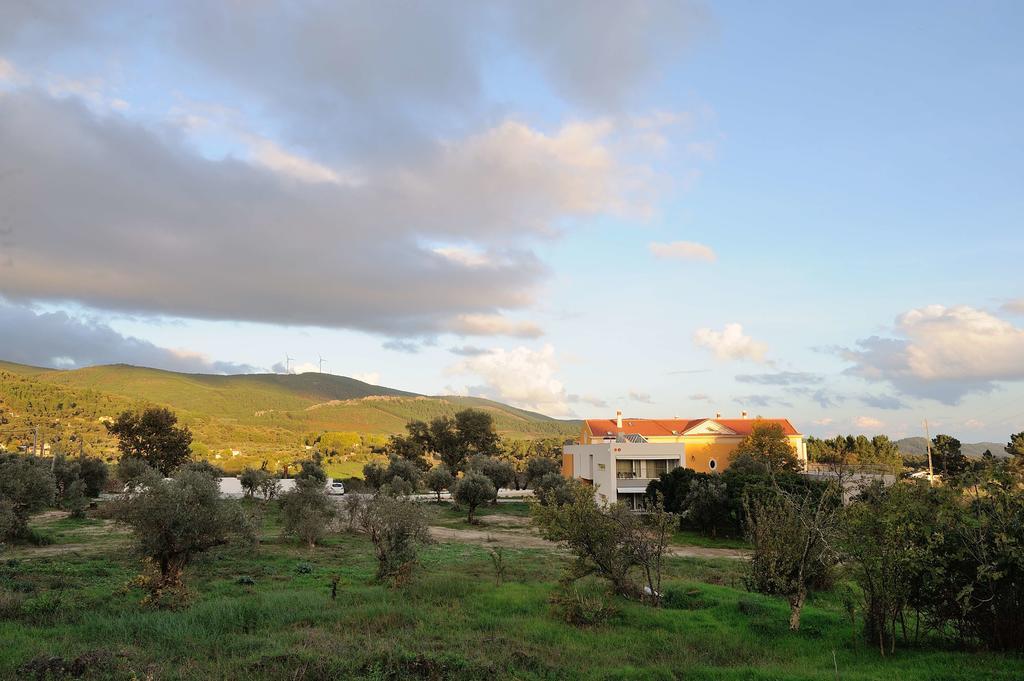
(917, 446)
(257, 415)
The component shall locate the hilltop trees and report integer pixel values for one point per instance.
(154, 437)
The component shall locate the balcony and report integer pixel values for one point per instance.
(631, 483)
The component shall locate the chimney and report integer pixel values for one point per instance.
(718, 414)
(618, 419)
(743, 415)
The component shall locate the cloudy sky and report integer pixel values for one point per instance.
(795, 209)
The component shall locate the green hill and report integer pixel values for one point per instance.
(917, 446)
(256, 415)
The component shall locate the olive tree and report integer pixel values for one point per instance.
(500, 473)
(26, 487)
(398, 528)
(471, 491)
(438, 479)
(174, 520)
(307, 511)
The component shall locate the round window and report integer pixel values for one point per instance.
(712, 464)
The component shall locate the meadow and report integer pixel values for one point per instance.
(268, 613)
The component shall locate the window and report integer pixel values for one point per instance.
(712, 464)
(624, 469)
(657, 467)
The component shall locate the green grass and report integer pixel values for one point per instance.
(451, 621)
(694, 538)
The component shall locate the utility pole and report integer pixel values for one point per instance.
(928, 444)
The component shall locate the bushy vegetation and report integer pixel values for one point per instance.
(609, 540)
(472, 490)
(172, 521)
(398, 529)
(26, 487)
(307, 511)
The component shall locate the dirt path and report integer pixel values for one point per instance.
(530, 540)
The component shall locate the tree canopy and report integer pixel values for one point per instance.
(153, 436)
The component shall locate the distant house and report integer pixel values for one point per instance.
(620, 456)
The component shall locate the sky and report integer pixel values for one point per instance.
(797, 209)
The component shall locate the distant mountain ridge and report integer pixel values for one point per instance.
(255, 413)
(918, 446)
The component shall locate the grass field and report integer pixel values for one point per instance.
(267, 614)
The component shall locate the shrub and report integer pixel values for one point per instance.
(403, 469)
(707, 505)
(500, 473)
(307, 510)
(375, 475)
(580, 610)
(257, 482)
(311, 469)
(397, 528)
(134, 471)
(204, 467)
(539, 466)
(552, 488)
(174, 520)
(93, 472)
(438, 479)
(471, 491)
(26, 487)
(75, 500)
(611, 541)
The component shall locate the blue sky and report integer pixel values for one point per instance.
(799, 209)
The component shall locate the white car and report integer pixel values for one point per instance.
(335, 487)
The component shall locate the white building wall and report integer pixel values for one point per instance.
(596, 463)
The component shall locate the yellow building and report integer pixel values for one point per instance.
(709, 443)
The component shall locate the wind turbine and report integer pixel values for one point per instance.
(321, 364)
(287, 363)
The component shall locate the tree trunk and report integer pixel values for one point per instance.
(796, 604)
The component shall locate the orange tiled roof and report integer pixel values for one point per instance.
(669, 427)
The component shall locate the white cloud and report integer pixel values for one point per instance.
(943, 353)
(493, 325)
(823, 421)
(1014, 306)
(867, 422)
(730, 343)
(683, 250)
(974, 424)
(60, 340)
(521, 377)
(270, 155)
(701, 397)
(371, 377)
